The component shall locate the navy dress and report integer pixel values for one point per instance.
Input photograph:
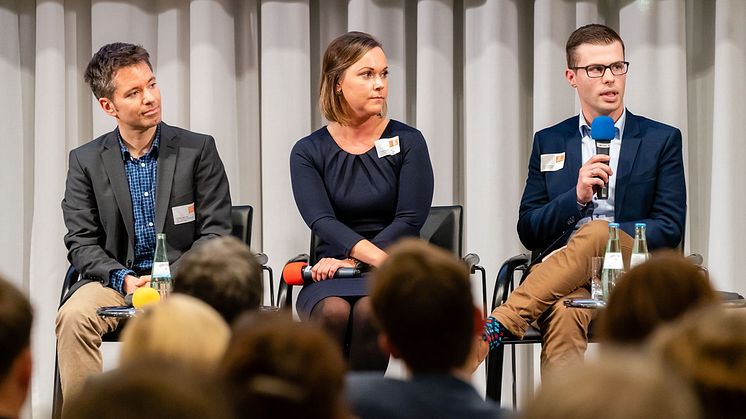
(345, 198)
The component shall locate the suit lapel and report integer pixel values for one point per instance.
(630, 143)
(573, 150)
(166, 167)
(114, 167)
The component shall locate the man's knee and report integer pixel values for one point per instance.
(560, 319)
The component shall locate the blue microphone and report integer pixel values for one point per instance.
(602, 131)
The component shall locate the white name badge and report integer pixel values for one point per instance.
(387, 146)
(183, 214)
(552, 162)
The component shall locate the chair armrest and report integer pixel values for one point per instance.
(505, 277)
(285, 291)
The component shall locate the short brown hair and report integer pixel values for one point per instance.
(277, 368)
(707, 347)
(16, 317)
(111, 57)
(164, 389)
(224, 273)
(589, 34)
(421, 298)
(342, 52)
(654, 293)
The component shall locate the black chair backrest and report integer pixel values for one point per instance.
(241, 217)
(443, 228)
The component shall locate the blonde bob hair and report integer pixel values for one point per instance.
(181, 328)
(341, 54)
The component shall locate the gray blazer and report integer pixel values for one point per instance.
(97, 207)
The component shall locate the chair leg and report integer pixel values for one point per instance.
(495, 374)
(513, 371)
(57, 398)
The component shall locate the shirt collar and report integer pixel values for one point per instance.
(153, 147)
(585, 129)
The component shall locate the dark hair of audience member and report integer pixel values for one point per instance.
(150, 389)
(421, 298)
(617, 385)
(707, 347)
(16, 317)
(277, 368)
(224, 273)
(651, 294)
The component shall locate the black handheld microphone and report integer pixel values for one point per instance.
(299, 273)
(602, 131)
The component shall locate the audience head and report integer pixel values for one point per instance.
(15, 353)
(422, 301)
(651, 294)
(341, 54)
(180, 328)
(617, 385)
(708, 348)
(150, 389)
(111, 57)
(224, 273)
(275, 367)
(594, 34)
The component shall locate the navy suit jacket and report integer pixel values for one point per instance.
(432, 396)
(97, 207)
(650, 185)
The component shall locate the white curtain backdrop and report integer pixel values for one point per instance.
(477, 77)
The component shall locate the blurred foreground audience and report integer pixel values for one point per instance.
(277, 368)
(181, 329)
(150, 389)
(421, 298)
(617, 385)
(657, 292)
(708, 349)
(15, 349)
(224, 273)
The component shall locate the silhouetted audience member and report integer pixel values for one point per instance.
(150, 389)
(656, 292)
(277, 368)
(617, 385)
(181, 329)
(421, 298)
(224, 273)
(15, 349)
(708, 348)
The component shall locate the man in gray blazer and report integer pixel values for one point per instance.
(143, 178)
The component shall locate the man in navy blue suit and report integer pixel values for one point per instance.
(562, 221)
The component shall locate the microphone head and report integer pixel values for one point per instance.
(602, 128)
(144, 296)
(292, 273)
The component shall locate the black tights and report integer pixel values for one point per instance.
(349, 321)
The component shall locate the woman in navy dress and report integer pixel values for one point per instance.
(361, 183)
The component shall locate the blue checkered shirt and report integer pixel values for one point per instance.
(141, 176)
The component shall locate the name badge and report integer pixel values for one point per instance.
(387, 146)
(183, 214)
(552, 162)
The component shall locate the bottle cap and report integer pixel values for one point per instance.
(614, 225)
(639, 224)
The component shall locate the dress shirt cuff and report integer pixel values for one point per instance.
(116, 279)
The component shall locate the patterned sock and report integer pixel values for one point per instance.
(493, 333)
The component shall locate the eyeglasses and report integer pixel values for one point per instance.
(595, 71)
